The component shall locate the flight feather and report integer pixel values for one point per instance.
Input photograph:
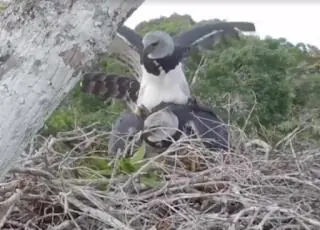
(111, 86)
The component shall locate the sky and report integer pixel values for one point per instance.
(294, 20)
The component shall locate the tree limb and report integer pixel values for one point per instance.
(45, 46)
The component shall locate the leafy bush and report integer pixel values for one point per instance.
(253, 81)
(254, 71)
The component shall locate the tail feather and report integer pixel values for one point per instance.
(111, 86)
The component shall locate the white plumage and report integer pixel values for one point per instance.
(162, 76)
(170, 87)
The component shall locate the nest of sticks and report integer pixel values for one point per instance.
(55, 187)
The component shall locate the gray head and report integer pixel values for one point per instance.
(157, 44)
(164, 124)
(125, 128)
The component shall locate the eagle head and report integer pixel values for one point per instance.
(160, 126)
(157, 44)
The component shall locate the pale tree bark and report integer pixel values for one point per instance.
(45, 45)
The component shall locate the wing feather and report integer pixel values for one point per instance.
(200, 32)
(203, 121)
(131, 37)
(127, 48)
(111, 86)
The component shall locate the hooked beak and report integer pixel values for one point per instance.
(146, 133)
(149, 49)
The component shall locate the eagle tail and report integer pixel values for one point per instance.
(111, 86)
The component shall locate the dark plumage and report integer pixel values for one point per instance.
(107, 86)
(168, 122)
(166, 55)
(163, 79)
(125, 128)
(206, 33)
(166, 63)
(193, 119)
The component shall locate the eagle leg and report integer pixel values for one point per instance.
(142, 111)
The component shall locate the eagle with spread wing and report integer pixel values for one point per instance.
(157, 61)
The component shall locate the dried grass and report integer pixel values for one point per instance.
(251, 188)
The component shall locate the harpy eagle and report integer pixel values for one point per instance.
(170, 122)
(162, 76)
(161, 70)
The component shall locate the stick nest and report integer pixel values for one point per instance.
(56, 186)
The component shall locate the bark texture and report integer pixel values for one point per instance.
(45, 45)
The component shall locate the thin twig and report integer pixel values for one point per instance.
(99, 215)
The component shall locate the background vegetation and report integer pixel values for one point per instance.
(267, 86)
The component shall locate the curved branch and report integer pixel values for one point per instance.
(45, 46)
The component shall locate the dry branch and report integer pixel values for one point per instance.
(241, 191)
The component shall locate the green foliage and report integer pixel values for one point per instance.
(3, 7)
(307, 91)
(111, 65)
(100, 166)
(254, 71)
(267, 86)
(130, 165)
(173, 25)
(254, 81)
(151, 180)
(139, 155)
(81, 109)
(133, 164)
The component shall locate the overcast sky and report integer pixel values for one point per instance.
(294, 20)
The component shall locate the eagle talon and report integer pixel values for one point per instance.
(192, 101)
(142, 111)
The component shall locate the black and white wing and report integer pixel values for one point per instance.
(205, 35)
(129, 48)
(111, 86)
(131, 37)
(126, 47)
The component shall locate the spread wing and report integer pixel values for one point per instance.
(209, 33)
(111, 86)
(208, 126)
(202, 121)
(126, 47)
(131, 37)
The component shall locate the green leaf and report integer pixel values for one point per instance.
(133, 164)
(127, 166)
(151, 180)
(3, 7)
(139, 154)
(105, 172)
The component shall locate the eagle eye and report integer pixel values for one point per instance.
(155, 43)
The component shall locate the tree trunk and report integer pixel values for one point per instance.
(45, 45)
